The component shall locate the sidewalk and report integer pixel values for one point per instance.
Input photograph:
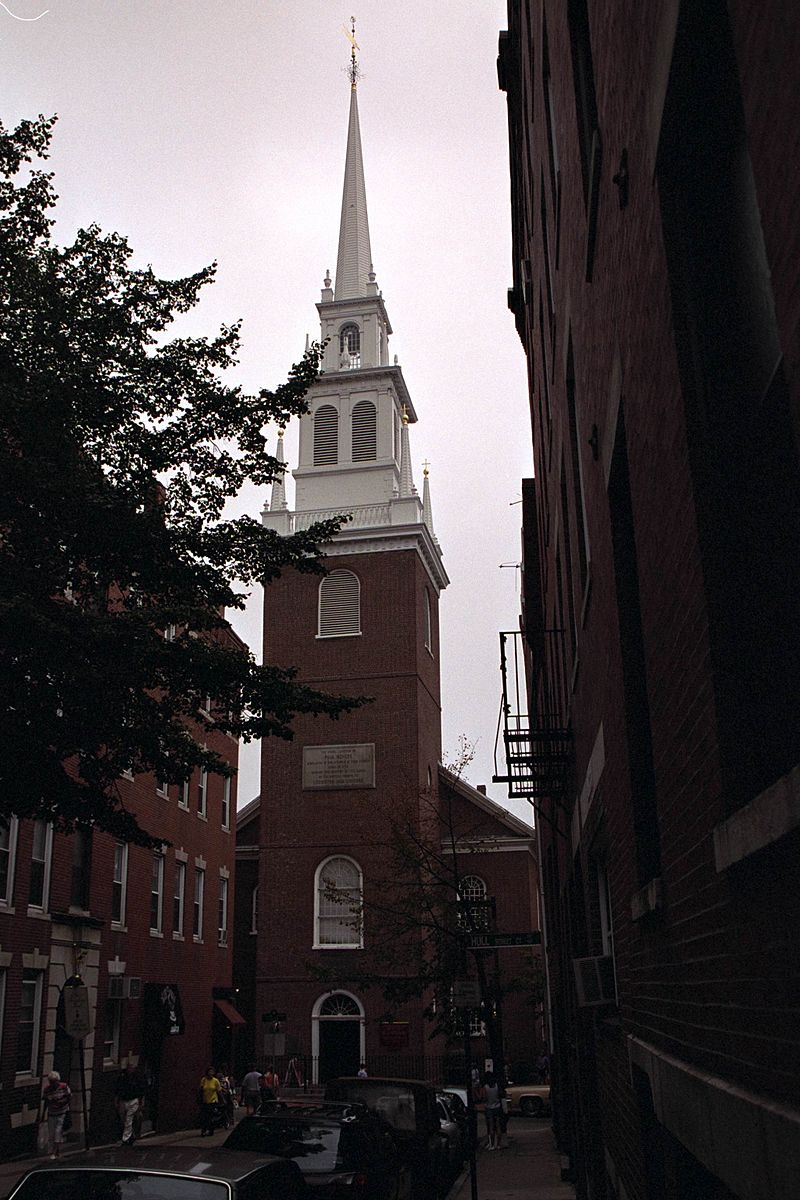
(528, 1169)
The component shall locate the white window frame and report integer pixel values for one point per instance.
(606, 921)
(162, 788)
(356, 941)
(157, 891)
(197, 903)
(115, 1007)
(7, 899)
(226, 802)
(47, 861)
(472, 888)
(185, 794)
(179, 899)
(337, 633)
(254, 910)
(170, 633)
(38, 983)
(202, 795)
(222, 911)
(120, 881)
(428, 621)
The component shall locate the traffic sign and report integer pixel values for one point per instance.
(466, 993)
(491, 941)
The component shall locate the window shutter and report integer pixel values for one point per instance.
(326, 436)
(339, 605)
(365, 434)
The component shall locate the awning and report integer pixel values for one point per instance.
(229, 1012)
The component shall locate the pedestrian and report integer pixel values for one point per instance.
(210, 1099)
(129, 1098)
(251, 1089)
(272, 1081)
(362, 1071)
(491, 1098)
(55, 1105)
(226, 1096)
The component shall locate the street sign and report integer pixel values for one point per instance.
(490, 941)
(77, 1021)
(466, 993)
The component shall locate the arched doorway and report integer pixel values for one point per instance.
(337, 1035)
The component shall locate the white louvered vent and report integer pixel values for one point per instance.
(339, 605)
(365, 435)
(326, 436)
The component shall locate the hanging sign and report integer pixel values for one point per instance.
(77, 1020)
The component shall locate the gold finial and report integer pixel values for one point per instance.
(353, 70)
(425, 466)
(405, 413)
(281, 431)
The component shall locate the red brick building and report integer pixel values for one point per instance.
(655, 290)
(317, 843)
(148, 933)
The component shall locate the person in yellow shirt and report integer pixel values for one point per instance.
(210, 1099)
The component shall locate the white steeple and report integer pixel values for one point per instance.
(427, 511)
(354, 260)
(278, 498)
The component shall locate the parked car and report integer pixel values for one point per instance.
(455, 1134)
(457, 1103)
(343, 1150)
(409, 1108)
(164, 1173)
(531, 1099)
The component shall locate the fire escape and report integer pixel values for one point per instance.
(537, 741)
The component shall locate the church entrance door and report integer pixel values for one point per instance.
(339, 1020)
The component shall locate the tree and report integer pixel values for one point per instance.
(119, 449)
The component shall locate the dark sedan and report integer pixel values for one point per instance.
(343, 1151)
(163, 1173)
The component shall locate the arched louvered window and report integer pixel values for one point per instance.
(473, 908)
(349, 347)
(337, 903)
(365, 431)
(339, 605)
(326, 436)
(426, 616)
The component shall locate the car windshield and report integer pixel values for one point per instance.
(394, 1102)
(118, 1185)
(314, 1145)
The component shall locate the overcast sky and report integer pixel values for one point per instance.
(215, 130)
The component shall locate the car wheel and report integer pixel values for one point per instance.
(532, 1106)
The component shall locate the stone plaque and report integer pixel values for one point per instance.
(331, 768)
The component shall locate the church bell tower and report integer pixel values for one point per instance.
(369, 627)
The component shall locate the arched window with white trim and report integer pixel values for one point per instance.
(338, 889)
(473, 910)
(326, 436)
(364, 426)
(339, 605)
(427, 620)
(349, 347)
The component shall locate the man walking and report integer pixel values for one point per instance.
(129, 1095)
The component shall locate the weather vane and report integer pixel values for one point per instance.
(353, 70)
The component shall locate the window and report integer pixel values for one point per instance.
(222, 912)
(586, 113)
(365, 432)
(349, 347)
(339, 605)
(477, 1027)
(474, 908)
(427, 620)
(338, 904)
(170, 633)
(326, 436)
(162, 788)
(226, 803)
(8, 854)
(30, 1009)
(183, 794)
(81, 868)
(157, 893)
(197, 913)
(112, 1015)
(254, 910)
(40, 865)
(202, 792)
(178, 899)
(119, 883)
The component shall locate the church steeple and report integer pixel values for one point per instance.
(354, 260)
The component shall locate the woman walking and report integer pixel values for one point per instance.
(491, 1098)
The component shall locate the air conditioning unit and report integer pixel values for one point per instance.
(594, 981)
(124, 987)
